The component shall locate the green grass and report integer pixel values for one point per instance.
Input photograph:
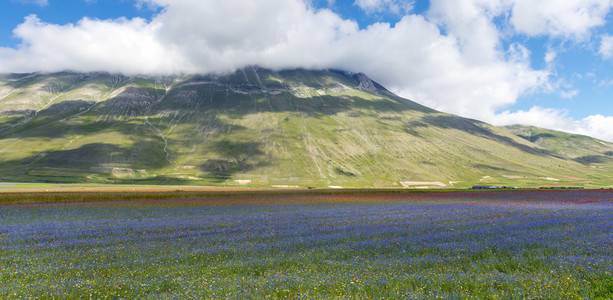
(306, 244)
(307, 128)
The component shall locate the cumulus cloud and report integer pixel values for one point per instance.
(606, 47)
(568, 18)
(537, 116)
(127, 46)
(378, 6)
(597, 126)
(451, 58)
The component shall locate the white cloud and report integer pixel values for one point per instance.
(568, 18)
(537, 116)
(470, 22)
(452, 59)
(37, 2)
(483, 77)
(605, 83)
(127, 46)
(378, 6)
(569, 94)
(606, 47)
(550, 57)
(597, 126)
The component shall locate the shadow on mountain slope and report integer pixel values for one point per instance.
(56, 120)
(121, 112)
(475, 127)
(208, 96)
(234, 157)
(20, 112)
(489, 167)
(54, 112)
(91, 157)
(411, 128)
(593, 159)
(536, 137)
(12, 118)
(132, 102)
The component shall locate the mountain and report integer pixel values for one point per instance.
(580, 148)
(258, 127)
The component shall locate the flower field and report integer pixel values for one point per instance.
(447, 245)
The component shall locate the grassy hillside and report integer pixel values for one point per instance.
(257, 127)
(580, 148)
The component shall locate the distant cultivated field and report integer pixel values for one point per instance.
(7, 188)
(307, 244)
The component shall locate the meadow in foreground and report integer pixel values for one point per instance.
(498, 245)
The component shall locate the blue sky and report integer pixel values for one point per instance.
(502, 61)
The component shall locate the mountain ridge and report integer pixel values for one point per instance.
(258, 127)
(581, 148)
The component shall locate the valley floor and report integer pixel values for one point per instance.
(329, 244)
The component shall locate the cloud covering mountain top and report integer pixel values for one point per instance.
(455, 57)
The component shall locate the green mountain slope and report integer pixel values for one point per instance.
(581, 148)
(257, 127)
